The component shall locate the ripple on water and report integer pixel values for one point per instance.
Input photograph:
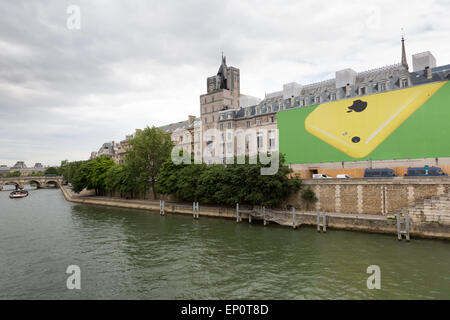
(126, 254)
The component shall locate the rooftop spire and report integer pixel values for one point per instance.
(404, 60)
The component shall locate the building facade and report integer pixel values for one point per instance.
(302, 121)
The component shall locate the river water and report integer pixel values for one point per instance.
(132, 254)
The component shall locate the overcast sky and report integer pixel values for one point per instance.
(63, 92)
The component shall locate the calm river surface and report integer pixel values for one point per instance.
(130, 254)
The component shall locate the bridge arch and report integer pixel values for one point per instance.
(37, 182)
(41, 182)
(53, 182)
(14, 183)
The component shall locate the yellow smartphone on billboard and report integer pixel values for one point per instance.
(357, 126)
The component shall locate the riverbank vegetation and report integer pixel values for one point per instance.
(228, 185)
(148, 168)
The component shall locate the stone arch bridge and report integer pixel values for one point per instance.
(41, 182)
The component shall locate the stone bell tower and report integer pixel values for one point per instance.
(223, 92)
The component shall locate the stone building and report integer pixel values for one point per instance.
(224, 108)
(232, 123)
(186, 135)
(107, 149)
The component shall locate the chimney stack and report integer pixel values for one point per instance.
(347, 90)
(428, 73)
(191, 119)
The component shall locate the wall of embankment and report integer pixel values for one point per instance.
(376, 196)
(361, 222)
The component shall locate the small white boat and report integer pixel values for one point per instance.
(18, 194)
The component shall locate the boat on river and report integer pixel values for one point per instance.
(18, 194)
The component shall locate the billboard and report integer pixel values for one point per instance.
(400, 124)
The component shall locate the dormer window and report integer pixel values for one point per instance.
(403, 83)
(333, 96)
(317, 99)
(302, 103)
(362, 91)
(382, 86)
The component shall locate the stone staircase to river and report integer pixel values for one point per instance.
(435, 209)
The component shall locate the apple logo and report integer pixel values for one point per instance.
(358, 106)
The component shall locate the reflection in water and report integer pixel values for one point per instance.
(136, 254)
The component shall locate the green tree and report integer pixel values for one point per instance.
(92, 175)
(14, 174)
(309, 197)
(70, 170)
(51, 171)
(149, 150)
(118, 179)
(168, 177)
(237, 183)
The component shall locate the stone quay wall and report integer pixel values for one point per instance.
(376, 196)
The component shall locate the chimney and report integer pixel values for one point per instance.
(191, 119)
(428, 73)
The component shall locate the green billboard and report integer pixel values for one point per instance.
(400, 124)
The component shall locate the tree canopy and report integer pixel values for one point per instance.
(231, 184)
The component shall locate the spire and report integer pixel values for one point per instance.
(222, 73)
(404, 60)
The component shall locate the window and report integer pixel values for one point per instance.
(259, 142)
(272, 119)
(382, 87)
(317, 99)
(362, 90)
(404, 83)
(302, 103)
(248, 124)
(333, 96)
(271, 139)
(221, 126)
(230, 125)
(258, 122)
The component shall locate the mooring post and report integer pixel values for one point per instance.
(407, 227)
(237, 212)
(318, 221)
(264, 213)
(198, 210)
(195, 209)
(399, 230)
(324, 220)
(293, 218)
(161, 207)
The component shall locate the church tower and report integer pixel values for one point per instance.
(223, 91)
